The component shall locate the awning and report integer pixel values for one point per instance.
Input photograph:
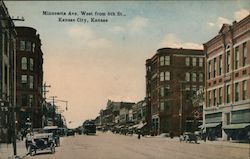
(210, 125)
(236, 126)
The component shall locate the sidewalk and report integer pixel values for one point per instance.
(218, 143)
(6, 151)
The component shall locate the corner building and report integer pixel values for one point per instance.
(172, 78)
(29, 63)
(227, 112)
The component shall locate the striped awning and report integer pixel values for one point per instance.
(236, 126)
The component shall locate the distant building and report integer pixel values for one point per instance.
(7, 74)
(227, 112)
(29, 77)
(172, 78)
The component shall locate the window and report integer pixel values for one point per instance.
(31, 82)
(200, 87)
(220, 95)
(187, 87)
(228, 94)
(194, 61)
(33, 47)
(187, 76)
(244, 54)
(162, 92)
(22, 45)
(162, 76)
(220, 65)
(236, 91)
(167, 76)
(194, 77)
(228, 62)
(164, 60)
(24, 63)
(31, 64)
(214, 98)
(244, 90)
(194, 89)
(24, 79)
(187, 61)
(5, 41)
(28, 46)
(31, 100)
(162, 106)
(209, 69)
(236, 57)
(5, 74)
(209, 98)
(200, 61)
(201, 77)
(215, 65)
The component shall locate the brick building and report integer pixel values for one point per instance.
(227, 112)
(29, 77)
(172, 77)
(7, 74)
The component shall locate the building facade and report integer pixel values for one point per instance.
(7, 75)
(29, 78)
(172, 78)
(227, 112)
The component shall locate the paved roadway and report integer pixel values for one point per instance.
(114, 146)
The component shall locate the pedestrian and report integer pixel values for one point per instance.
(139, 136)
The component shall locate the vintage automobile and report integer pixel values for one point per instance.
(56, 133)
(39, 142)
(189, 137)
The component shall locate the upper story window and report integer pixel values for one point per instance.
(22, 45)
(209, 69)
(214, 97)
(194, 77)
(33, 47)
(236, 58)
(165, 76)
(220, 64)
(215, 67)
(187, 61)
(24, 63)
(187, 76)
(25, 45)
(236, 92)
(164, 60)
(244, 54)
(194, 61)
(31, 64)
(31, 82)
(200, 77)
(228, 89)
(24, 79)
(200, 61)
(220, 95)
(228, 61)
(244, 90)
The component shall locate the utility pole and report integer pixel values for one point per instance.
(45, 86)
(54, 108)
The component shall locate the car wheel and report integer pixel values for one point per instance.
(53, 150)
(31, 151)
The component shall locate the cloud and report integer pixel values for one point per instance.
(219, 22)
(137, 24)
(239, 15)
(86, 36)
(170, 40)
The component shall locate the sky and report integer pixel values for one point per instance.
(89, 63)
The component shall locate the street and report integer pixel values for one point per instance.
(115, 146)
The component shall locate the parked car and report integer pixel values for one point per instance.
(189, 137)
(71, 132)
(56, 133)
(39, 142)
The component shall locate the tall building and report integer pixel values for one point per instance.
(29, 77)
(7, 75)
(172, 78)
(227, 112)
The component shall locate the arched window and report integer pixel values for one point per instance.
(24, 63)
(31, 64)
